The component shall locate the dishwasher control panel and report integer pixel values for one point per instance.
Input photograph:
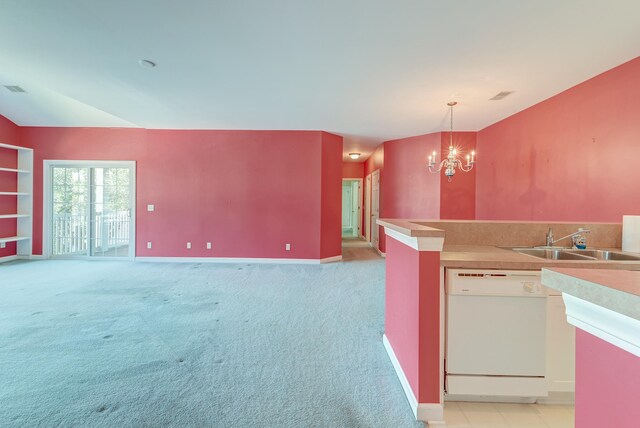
(494, 283)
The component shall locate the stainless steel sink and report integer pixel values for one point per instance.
(564, 253)
(606, 255)
(552, 254)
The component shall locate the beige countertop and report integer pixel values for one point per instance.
(411, 228)
(617, 290)
(490, 257)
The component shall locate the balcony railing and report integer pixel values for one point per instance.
(108, 231)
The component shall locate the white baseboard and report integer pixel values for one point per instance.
(19, 257)
(432, 413)
(237, 260)
(199, 259)
(383, 255)
(558, 398)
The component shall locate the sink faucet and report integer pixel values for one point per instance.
(550, 241)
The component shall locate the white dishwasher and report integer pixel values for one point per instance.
(495, 334)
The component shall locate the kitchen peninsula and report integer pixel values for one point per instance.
(605, 307)
(418, 254)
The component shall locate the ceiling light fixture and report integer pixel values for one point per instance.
(354, 155)
(451, 162)
(146, 63)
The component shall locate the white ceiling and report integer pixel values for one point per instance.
(370, 70)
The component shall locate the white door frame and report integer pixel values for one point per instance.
(367, 209)
(47, 188)
(359, 205)
(375, 244)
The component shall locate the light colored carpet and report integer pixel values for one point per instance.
(123, 344)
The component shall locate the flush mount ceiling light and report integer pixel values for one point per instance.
(451, 162)
(146, 63)
(354, 155)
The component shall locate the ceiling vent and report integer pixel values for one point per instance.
(501, 95)
(14, 88)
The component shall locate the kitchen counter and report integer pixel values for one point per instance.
(618, 291)
(604, 305)
(411, 228)
(491, 257)
(458, 253)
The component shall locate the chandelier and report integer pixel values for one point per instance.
(451, 162)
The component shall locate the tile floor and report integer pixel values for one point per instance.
(502, 415)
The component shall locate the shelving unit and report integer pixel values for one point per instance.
(24, 196)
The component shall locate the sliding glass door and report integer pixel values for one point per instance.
(91, 211)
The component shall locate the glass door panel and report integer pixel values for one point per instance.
(110, 212)
(70, 211)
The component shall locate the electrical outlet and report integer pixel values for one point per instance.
(188, 245)
(208, 245)
(3, 245)
(149, 245)
(151, 207)
(287, 247)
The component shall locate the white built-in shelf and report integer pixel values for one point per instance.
(24, 198)
(20, 171)
(14, 238)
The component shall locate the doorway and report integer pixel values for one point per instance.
(89, 209)
(351, 208)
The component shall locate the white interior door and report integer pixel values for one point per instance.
(367, 208)
(356, 213)
(375, 208)
(89, 209)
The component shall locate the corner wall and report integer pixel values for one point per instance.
(331, 194)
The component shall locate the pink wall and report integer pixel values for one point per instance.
(458, 196)
(9, 134)
(543, 163)
(607, 384)
(331, 203)
(375, 161)
(247, 192)
(352, 169)
(410, 190)
(412, 316)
